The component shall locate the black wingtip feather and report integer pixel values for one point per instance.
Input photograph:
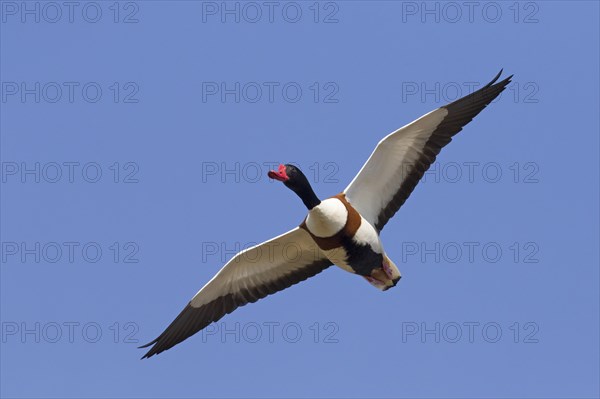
(479, 98)
(148, 344)
(495, 78)
(150, 352)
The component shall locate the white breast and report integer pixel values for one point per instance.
(327, 218)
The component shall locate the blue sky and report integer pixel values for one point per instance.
(135, 141)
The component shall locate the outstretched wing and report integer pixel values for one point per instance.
(400, 159)
(249, 276)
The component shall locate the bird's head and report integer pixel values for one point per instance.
(290, 175)
(293, 178)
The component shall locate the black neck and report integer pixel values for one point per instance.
(309, 198)
(306, 194)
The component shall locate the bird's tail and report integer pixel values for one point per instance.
(386, 276)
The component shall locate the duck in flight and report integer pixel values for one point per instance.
(341, 230)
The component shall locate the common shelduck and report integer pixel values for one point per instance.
(341, 230)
